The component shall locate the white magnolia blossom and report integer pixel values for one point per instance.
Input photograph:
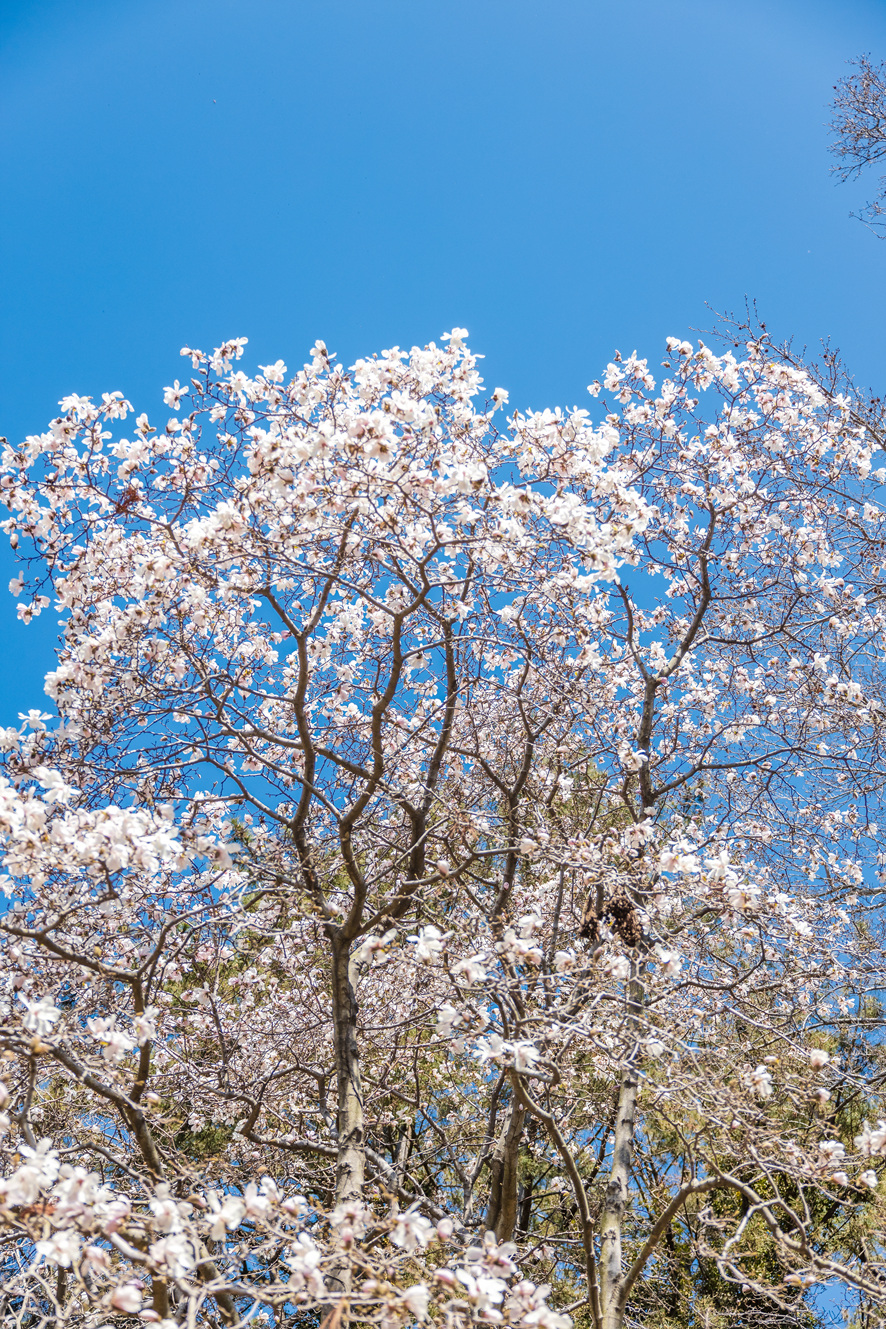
(226, 1215)
(429, 943)
(40, 1015)
(175, 1252)
(412, 1230)
(472, 969)
(760, 1081)
(62, 1248)
(38, 1170)
(127, 1298)
(417, 1299)
(872, 1141)
(303, 1259)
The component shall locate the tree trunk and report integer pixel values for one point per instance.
(616, 1198)
(504, 1166)
(350, 1165)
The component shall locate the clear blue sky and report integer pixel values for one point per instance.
(561, 178)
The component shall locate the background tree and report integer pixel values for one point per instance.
(859, 131)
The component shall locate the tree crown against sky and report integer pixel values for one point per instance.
(545, 249)
(446, 880)
(858, 130)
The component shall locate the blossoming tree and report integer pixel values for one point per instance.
(857, 128)
(445, 885)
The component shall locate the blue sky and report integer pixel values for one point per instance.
(561, 178)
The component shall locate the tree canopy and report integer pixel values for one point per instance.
(446, 883)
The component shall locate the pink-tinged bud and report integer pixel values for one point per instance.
(127, 1298)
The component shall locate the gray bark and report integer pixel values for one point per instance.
(350, 1166)
(615, 1202)
(504, 1165)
